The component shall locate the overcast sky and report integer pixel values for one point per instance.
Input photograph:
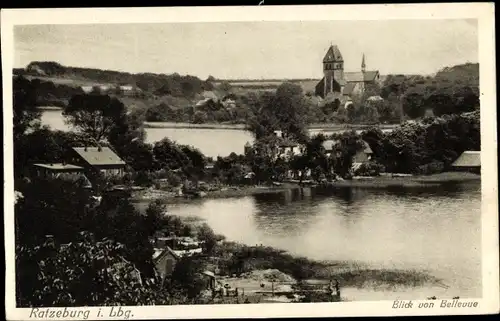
(252, 49)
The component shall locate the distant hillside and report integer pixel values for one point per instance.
(451, 90)
(466, 73)
(177, 98)
(161, 84)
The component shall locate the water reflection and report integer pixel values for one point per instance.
(434, 230)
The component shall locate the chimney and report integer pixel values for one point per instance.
(85, 149)
(99, 148)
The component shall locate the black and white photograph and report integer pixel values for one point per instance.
(237, 162)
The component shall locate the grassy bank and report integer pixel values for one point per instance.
(380, 182)
(327, 127)
(244, 262)
(408, 181)
(226, 192)
(193, 126)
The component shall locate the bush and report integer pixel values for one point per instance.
(143, 178)
(430, 168)
(370, 169)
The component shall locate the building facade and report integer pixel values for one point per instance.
(341, 85)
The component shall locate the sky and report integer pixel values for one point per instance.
(251, 50)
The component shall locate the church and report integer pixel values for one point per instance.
(343, 85)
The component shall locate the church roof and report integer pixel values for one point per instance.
(333, 54)
(360, 76)
(348, 88)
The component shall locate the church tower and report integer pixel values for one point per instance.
(363, 64)
(333, 71)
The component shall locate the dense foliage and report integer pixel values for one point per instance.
(84, 272)
(427, 147)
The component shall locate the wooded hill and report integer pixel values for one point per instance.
(175, 98)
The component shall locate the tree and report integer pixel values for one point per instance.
(43, 211)
(349, 144)
(225, 86)
(441, 103)
(413, 104)
(351, 113)
(169, 155)
(209, 238)
(154, 216)
(199, 117)
(95, 115)
(84, 272)
(291, 111)
(186, 277)
(24, 109)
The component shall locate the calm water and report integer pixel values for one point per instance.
(211, 142)
(433, 230)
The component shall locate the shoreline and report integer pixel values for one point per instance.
(379, 182)
(324, 127)
(219, 126)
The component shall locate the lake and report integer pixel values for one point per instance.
(211, 142)
(432, 229)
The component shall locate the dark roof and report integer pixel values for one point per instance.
(99, 156)
(348, 88)
(468, 159)
(166, 251)
(359, 76)
(371, 75)
(60, 167)
(333, 54)
(321, 83)
(367, 149)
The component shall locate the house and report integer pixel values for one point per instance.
(99, 160)
(286, 147)
(343, 85)
(60, 170)
(165, 261)
(364, 154)
(469, 161)
(210, 279)
(126, 88)
(87, 89)
(329, 146)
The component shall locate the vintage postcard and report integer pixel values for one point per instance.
(198, 162)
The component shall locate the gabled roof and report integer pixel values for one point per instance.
(349, 88)
(159, 254)
(370, 75)
(333, 54)
(321, 83)
(468, 159)
(99, 156)
(341, 82)
(359, 76)
(367, 149)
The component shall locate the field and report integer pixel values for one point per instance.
(66, 81)
(271, 84)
